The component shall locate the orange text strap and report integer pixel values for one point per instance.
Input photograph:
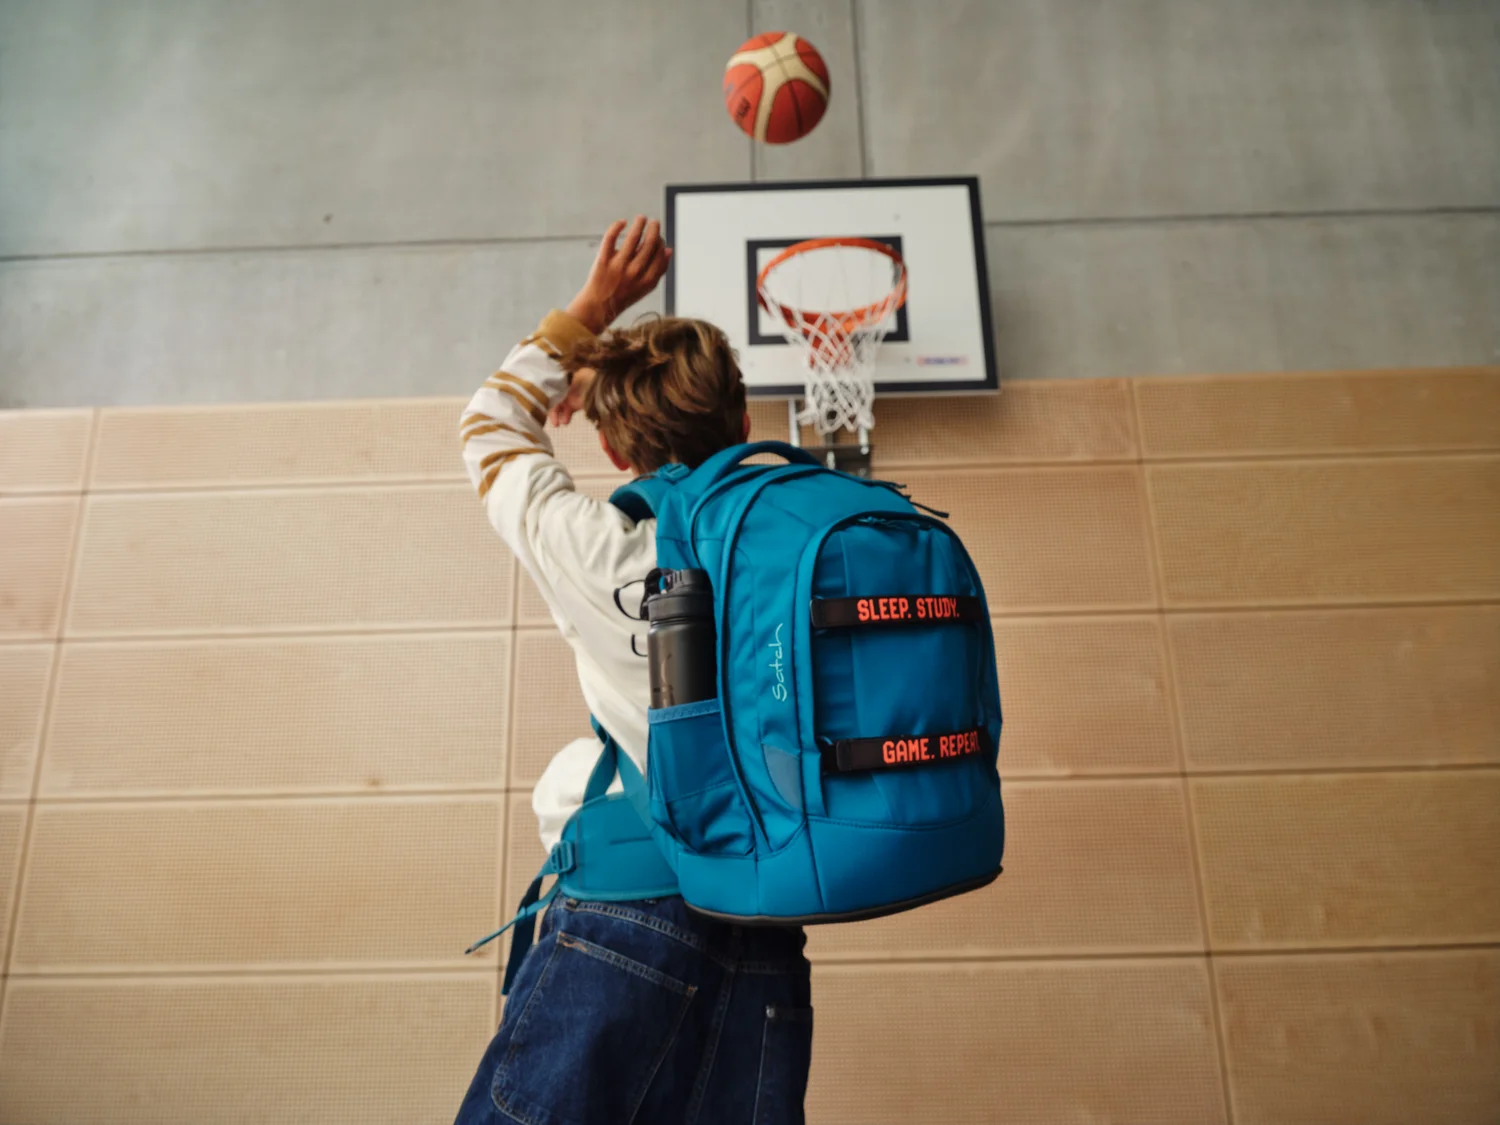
(899, 751)
(895, 609)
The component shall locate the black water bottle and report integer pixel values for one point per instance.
(681, 641)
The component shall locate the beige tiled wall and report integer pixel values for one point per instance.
(272, 697)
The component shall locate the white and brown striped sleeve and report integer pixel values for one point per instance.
(505, 419)
(507, 450)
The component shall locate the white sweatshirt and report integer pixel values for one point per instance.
(577, 550)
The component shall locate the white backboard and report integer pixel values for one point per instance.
(940, 342)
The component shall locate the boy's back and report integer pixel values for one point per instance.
(623, 1011)
(577, 550)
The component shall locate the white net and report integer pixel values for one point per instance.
(835, 300)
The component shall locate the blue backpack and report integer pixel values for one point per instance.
(847, 768)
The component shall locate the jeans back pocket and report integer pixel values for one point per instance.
(590, 1038)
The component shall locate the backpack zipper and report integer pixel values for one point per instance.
(721, 600)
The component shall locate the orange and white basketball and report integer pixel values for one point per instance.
(776, 87)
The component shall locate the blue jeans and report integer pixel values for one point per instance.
(646, 1012)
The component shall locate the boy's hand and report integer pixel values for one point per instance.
(623, 274)
(572, 403)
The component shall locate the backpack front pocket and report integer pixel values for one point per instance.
(695, 793)
(905, 707)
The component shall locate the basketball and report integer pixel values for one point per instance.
(776, 87)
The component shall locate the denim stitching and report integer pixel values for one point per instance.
(715, 1033)
(760, 1070)
(625, 964)
(666, 1048)
(514, 1044)
(625, 914)
(509, 1116)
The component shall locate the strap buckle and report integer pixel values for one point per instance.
(561, 859)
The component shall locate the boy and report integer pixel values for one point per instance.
(641, 1011)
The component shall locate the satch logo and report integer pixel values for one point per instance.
(778, 689)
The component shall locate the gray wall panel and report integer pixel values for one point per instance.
(1262, 295)
(1178, 107)
(1177, 185)
(274, 326)
(140, 124)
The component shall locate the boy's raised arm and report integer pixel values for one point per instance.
(506, 448)
(506, 417)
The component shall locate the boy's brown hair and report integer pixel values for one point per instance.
(666, 389)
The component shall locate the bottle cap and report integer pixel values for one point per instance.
(684, 594)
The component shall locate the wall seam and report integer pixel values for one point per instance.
(859, 92)
(518, 577)
(70, 572)
(417, 794)
(482, 241)
(1179, 741)
(268, 971)
(415, 481)
(1016, 613)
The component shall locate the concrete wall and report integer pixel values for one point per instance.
(208, 200)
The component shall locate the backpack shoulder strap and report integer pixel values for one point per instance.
(726, 460)
(642, 498)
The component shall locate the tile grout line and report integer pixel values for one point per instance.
(204, 798)
(1220, 1031)
(512, 682)
(1179, 739)
(352, 485)
(409, 481)
(258, 797)
(505, 802)
(1221, 609)
(513, 677)
(1303, 458)
(149, 973)
(91, 454)
(70, 573)
(1117, 954)
(1315, 457)
(315, 633)
(450, 628)
(456, 970)
(502, 948)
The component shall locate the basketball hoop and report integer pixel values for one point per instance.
(836, 299)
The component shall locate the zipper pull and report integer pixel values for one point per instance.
(900, 490)
(925, 508)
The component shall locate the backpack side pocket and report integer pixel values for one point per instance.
(695, 795)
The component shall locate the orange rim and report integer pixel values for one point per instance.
(846, 322)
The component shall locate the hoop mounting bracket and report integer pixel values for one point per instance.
(847, 457)
(851, 457)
